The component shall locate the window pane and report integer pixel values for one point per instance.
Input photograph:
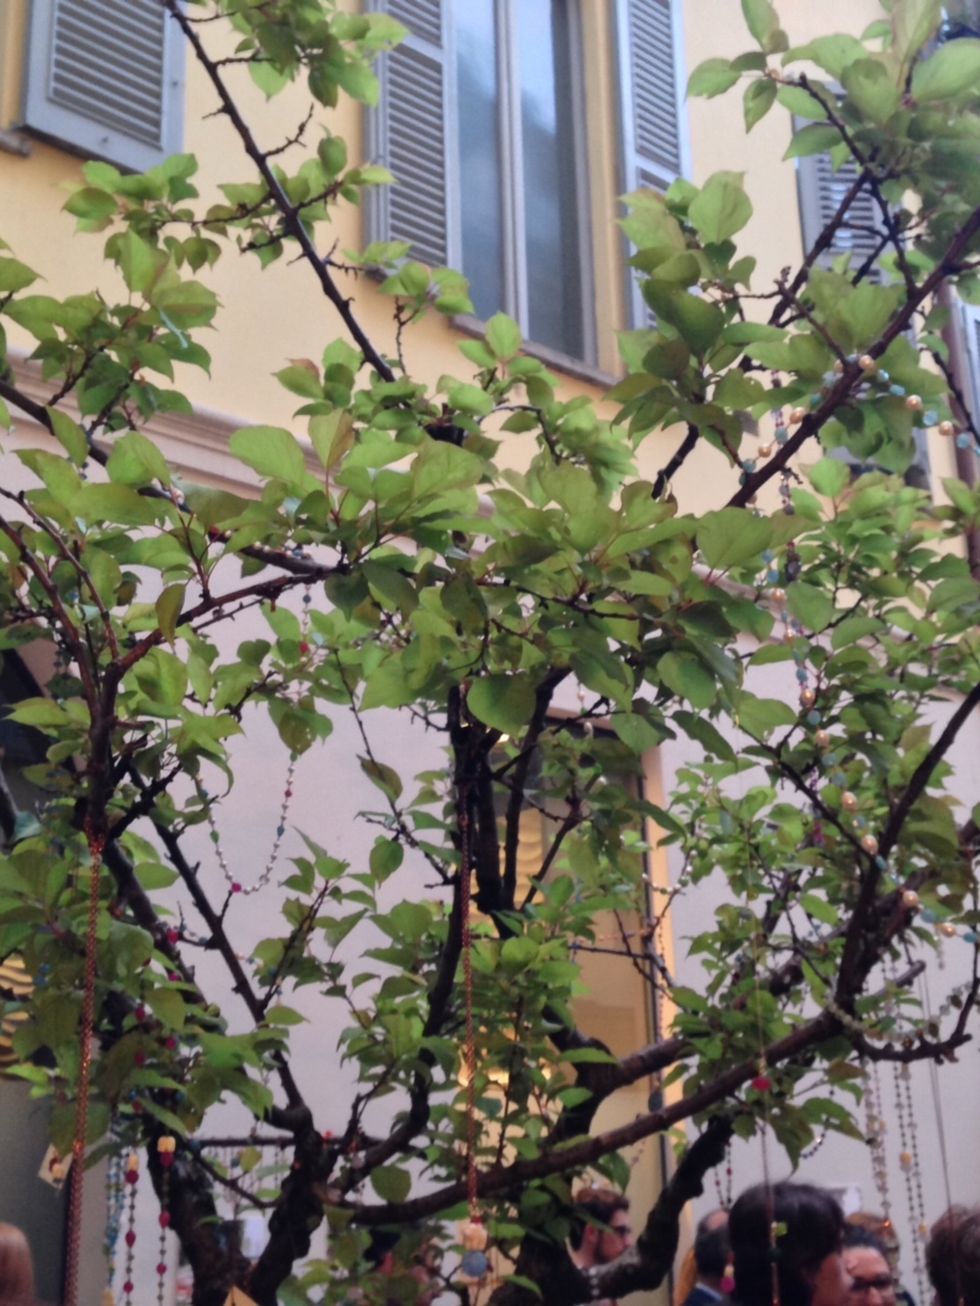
(477, 106)
(554, 278)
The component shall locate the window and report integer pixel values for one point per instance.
(970, 327)
(482, 120)
(821, 190)
(105, 79)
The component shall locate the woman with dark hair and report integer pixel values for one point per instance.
(786, 1240)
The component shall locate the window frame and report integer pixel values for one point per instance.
(510, 149)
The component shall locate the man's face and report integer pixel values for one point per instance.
(613, 1242)
(870, 1277)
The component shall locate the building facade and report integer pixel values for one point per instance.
(514, 126)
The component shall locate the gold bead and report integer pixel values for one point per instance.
(870, 844)
(821, 738)
(946, 428)
(777, 594)
(947, 929)
(808, 697)
(905, 1160)
(867, 362)
(923, 1229)
(848, 801)
(764, 450)
(798, 414)
(913, 403)
(910, 899)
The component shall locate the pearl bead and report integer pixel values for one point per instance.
(913, 403)
(848, 801)
(765, 450)
(905, 1160)
(870, 844)
(867, 363)
(947, 930)
(946, 428)
(777, 594)
(807, 697)
(910, 899)
(797, 415)
(821, 738)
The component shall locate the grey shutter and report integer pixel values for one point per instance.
(409, 133)
(648, 46)
(970, 320)
(105, 79)
(821, 191)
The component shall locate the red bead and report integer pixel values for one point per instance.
(131, 1177)
(139, 1058)
(288, 793)
(762, 1083)
(173, 976)
(140, 1013)
(130, 1237)
(304, 647)
(235, 887)
(170, 1043)
(164, 1219)
(127, 1287)
(327, 1135)
(166, 1159)
(137, 1108)
(173, 935)
(161, 1268)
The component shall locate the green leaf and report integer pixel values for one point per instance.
(503, 335)
(732, 536)
(721, 207)
(810, 605)
(636, 732)
(135, 460)
(697, 320)
(759, 98)
(913, 23)
(763, 22)
(506, 703)
(385, 858)
(168, 1006)
(953, 70)
(686, 675)
(70, 435)
(391, 1183)
(706, 734)
(14, 276)
(138, 261)
(814, 138)
(872, 89)
(711, 77)
(760, 716)
(270, 451)
(385, 777)
(301, 380)
(332, 435)
(820, 909)
(831, 476)
(833, 53)
(168, 607)
(188, 304)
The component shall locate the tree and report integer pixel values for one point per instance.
(445, 587)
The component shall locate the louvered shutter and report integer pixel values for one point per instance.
(409, 133)
(648, 39)
(821, 192)
(105, 79)
(971, 337)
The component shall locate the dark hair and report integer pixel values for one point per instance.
(953, 1256)
(814, 1227)
(856, 1235)
(594, 1205)
(711, 1246)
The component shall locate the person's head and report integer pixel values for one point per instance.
(807, 1255)
(871, 1281)
(16, 1267)
(881, 1227)
(601, 1228)
(953, 1257)
(712, 1249)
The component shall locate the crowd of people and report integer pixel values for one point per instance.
(783, 1244)
(789, 1244)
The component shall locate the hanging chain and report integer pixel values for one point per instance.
(96, 844)
(466, 943)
